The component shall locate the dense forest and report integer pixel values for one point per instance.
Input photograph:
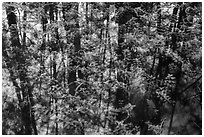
(101, 68)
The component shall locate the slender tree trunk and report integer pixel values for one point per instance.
(153, 63)
(108, 44)
(110, 73)
(120, 93)
(32, 111)
(159, 73)
(55, 48)
(44, 22)
(178, 72)
(87, 21)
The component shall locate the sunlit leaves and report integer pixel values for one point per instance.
(91, 109)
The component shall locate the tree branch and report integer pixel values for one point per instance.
(191, 84)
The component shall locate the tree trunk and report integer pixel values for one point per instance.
(26, 102)
(77, 46)
(175, 94)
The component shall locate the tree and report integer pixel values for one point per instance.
(24, 91)
(102, 68)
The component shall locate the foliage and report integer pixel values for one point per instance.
(101, 68)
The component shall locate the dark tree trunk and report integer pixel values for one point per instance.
(159, 68)
(120, 96)
(178, 72)
(53, 13)
(77, 46)
(26, 102)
